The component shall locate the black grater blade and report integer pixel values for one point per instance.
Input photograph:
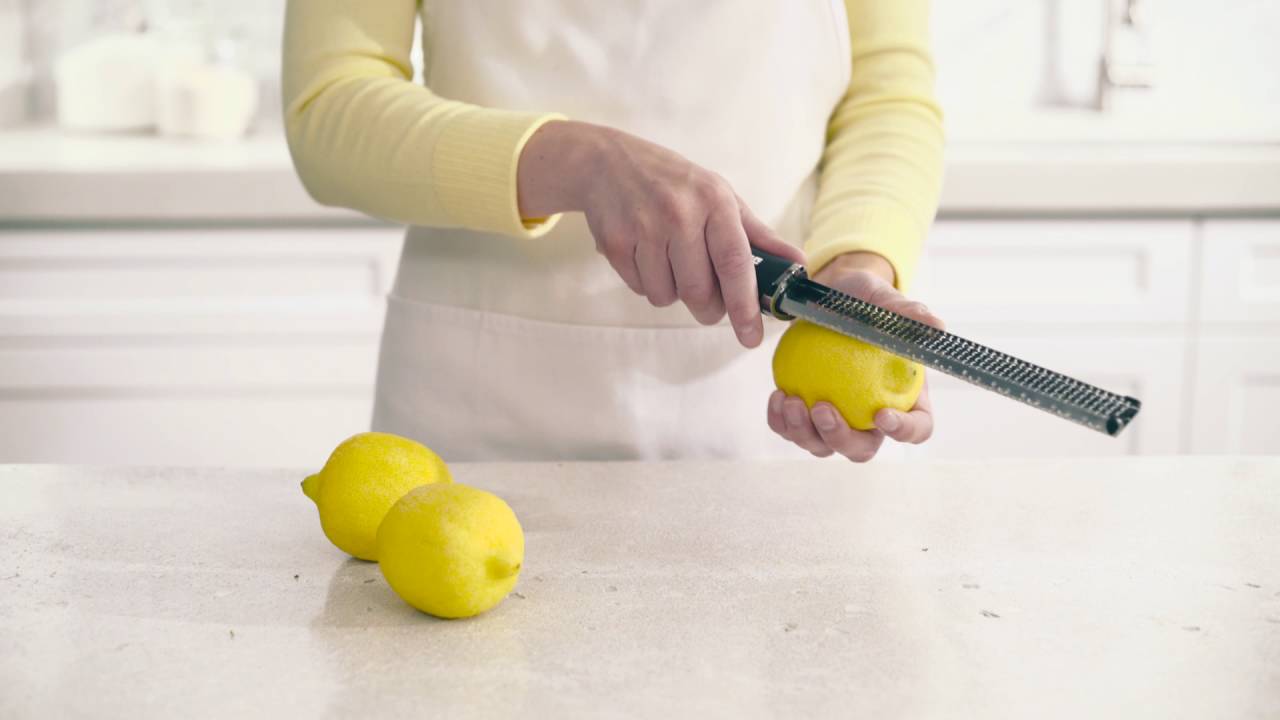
(786, 292)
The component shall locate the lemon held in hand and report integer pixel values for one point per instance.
(363, 478)
(451, 550)
(817, 364)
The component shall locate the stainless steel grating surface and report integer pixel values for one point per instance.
(985, 367)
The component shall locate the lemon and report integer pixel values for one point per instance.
(818, 364)
(363, 478)
(451, 550)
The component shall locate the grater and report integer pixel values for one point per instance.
(787, 293)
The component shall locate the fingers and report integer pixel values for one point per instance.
(875, 289)
(799, 427)
(910, 427)
(735, 272)
(655, 272)
(696, 283)
(822, 431)
(856, 445)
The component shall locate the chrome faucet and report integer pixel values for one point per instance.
(1126, 59)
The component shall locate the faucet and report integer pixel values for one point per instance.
(1126, 61)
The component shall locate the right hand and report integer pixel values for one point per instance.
(671, 230)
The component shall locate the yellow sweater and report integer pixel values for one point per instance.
(364, 136)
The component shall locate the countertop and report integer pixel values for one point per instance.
(1123, 588)
(51, 176)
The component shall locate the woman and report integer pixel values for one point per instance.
(573, 168)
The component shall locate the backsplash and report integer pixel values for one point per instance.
(994, 56)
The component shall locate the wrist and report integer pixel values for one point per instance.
(556, 167)
(863, 260)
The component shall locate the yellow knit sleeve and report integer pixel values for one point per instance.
(364, 136)
(882, 169)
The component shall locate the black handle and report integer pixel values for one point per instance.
(772, 275)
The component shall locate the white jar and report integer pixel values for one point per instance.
(107, 83)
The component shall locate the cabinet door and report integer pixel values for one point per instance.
(975, 423)
(1009, 274)
(1237, 396)
(230, 346)
(1241, 281)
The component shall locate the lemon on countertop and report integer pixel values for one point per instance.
(859, 379)
(363, 478)
(451, 550)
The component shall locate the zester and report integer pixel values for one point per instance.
(787, 293)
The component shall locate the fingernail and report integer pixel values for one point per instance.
(749, 333)
(889, 422)
(824, 418)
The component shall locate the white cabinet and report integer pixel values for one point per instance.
(1236, 396)
(1105, 301)
(258, 345)
(1241, 273)
(1066, 273)
(973, 423)
(1236, 385)
(194, 346)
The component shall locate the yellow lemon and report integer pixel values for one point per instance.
(451, 550)
(818, 364)
(363, 478)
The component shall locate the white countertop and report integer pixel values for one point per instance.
(1125, 588)
(51, 176)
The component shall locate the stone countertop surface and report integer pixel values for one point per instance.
(49, 176)
(1111, 588)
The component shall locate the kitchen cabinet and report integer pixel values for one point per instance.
(1236, 384)
(1058, 272)
(1103, 300)
(199, 345)
(1241, 279)
(1236, 396)
(974, 423)
(248, 344)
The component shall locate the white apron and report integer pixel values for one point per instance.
(509, 349)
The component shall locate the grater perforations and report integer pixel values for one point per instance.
(986, 367)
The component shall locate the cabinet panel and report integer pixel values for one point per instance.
(233, 346)
(1237, 396)
(1049, 271)
(974, 423)
(1241, 271)
(154, 281)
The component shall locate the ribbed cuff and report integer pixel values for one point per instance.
(885, 230)
(475, 165)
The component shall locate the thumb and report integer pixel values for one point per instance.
(762, 236)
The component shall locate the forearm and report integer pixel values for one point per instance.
(364, 136)
(882, 168)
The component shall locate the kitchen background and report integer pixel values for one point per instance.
(170, 294)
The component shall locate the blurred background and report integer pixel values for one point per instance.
(169, 294)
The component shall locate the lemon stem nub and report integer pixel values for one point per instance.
(311, 485)
(501, 568)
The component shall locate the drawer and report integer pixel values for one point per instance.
(1241, 280)
(1078, 272)
(198, 281)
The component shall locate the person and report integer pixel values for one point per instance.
(583, 182)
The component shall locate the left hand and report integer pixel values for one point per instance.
(823, 431)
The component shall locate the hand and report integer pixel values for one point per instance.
(822, 431)
(671, 230)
